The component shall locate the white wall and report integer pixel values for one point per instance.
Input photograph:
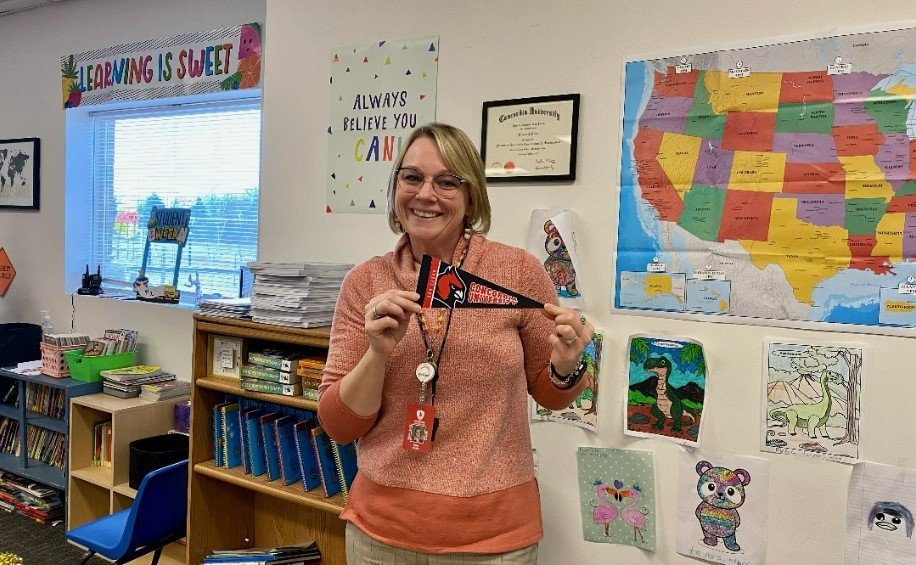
(489, 51)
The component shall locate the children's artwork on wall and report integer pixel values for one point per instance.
(722, 507)
(880, 515)
(552, 239)
(617, 496)
(666, 389)
(812, 404)
(583, 411)
(379, 94)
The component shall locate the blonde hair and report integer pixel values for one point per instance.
(462, 159)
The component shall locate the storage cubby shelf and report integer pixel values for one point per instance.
(21, 464)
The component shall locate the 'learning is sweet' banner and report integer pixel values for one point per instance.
(194, 63)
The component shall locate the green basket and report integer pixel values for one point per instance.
(88, 369)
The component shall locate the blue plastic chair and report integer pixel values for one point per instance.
(157, 517)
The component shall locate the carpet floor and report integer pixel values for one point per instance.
(37, 543)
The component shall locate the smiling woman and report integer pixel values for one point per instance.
(422, 389)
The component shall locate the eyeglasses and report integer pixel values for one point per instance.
(445, 186)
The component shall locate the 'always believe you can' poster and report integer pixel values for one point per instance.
(379, 93)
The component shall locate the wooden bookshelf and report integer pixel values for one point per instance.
(227, 508)
(97, 491)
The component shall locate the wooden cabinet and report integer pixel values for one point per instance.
(97, 491)
(227, 508)
(64, 390)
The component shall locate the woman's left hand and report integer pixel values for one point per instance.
(571, 334)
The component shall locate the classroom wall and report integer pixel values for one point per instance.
(489, 51)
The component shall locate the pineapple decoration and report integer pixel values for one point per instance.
(69, 86)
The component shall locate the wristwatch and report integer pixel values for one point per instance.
(567, 381)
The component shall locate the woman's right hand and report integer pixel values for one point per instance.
(387, 317)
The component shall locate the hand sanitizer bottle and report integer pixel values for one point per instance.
(46, 326)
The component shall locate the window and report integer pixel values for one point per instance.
(203, 155)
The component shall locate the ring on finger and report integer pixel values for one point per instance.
(570, 341)
(375, 313)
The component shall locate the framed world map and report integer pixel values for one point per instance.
(19, 166)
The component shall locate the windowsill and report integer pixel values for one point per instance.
(114, 297)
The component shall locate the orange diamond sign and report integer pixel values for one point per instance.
(7, 272)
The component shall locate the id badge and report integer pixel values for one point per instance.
(418, 427)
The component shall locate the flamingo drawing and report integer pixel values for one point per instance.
(634, 517)
(605, 513)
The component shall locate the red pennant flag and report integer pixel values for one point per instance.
(445, 286)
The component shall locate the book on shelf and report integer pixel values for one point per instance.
(126, 373)
(271, 450)
(252, 371)
(243, 439)
(121, 391)
(273, 359)
(219, 435)
(165, 390)
(286, 447)
(311, 476)
(257, 385)
(345, 463)
(321, 443)
(255, 441)
(231, 443)
(101, 445)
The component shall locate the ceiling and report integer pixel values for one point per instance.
(11, 6)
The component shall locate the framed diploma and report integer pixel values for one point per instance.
(226, 356)
(530, 139)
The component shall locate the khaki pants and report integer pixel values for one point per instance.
(364, 550)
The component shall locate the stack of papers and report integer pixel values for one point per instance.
(126, 382)
(296, 294)
(162, 391)
(226, 307)
(305, 553)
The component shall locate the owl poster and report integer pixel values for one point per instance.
(722, 507)
(552, 239)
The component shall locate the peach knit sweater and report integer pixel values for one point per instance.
(475, 491)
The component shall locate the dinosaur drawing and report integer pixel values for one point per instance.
(810, 417)
(669, 404)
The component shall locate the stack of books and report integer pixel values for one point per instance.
(289, 555)
(226, 307)
(65, 340)
(20, 495)
(113, 341)
(310, 371)
(271, 371)
(282, 443)
(126, 382)
(301, 295)
(101, 444)
(165, 390)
